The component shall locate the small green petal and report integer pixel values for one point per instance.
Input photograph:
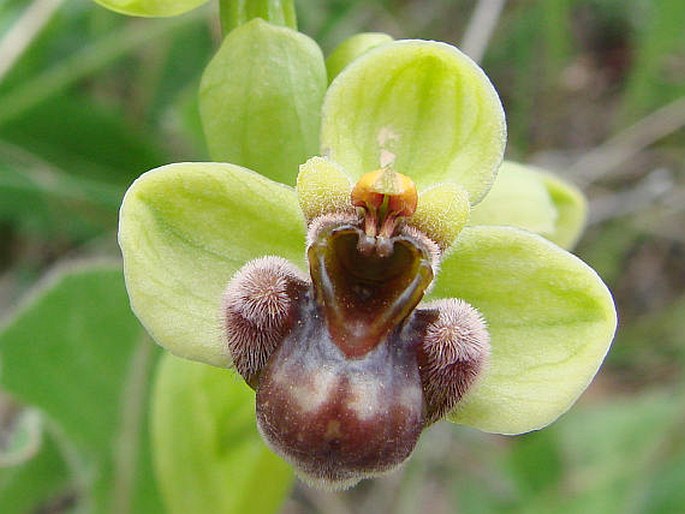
(260, 99)
(424, 103)
(518, 198)
(571, 208)
(351, 48)
(322, 187)
(442, 212)
(151, 7)
(551, 321)
(184, 230)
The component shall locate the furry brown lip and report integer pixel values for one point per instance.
(347, 370)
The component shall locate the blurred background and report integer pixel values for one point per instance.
(593, 89)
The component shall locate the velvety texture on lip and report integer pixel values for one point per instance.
(341, 397)
(355, 371)
(334, 418)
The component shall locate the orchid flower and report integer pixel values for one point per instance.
(386, 290)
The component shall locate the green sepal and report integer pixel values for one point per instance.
(260, 99)
(151, 8)
(184, 230)
(551, 320)
(572, 210)
(208, 455)
(352, 48)
(530, 198)
(422, 104)
(518, 198)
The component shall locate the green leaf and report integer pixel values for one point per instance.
(260, 100)
(616, 443)
(654, 77)
(73, 186)
(32, 470)
(34, 483)
(351, 48)
(622, 454)
(518, 198)
(536, 462)
(38, 197)
(184, 230)
(208, 454)
(424, 102)
(101, 144)
(151, 7)
(90, 56)
(551, 321)
(76, 352)
(22, 440)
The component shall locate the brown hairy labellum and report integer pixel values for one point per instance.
(347, 368)
(257, 310)
(451, 355)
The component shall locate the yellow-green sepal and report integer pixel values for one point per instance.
(184, 230)
(572, 210)
(422, 106)
(531, 198)
(551, 320)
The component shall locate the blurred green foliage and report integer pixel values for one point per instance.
(98, 98)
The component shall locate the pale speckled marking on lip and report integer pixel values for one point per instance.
(411, 395)
(365, 397)
(312, 394)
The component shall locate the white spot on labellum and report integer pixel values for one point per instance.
(365, 397)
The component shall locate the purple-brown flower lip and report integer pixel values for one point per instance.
(347, 368)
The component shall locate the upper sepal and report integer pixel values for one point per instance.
(423, 107)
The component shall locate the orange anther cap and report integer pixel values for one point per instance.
(373, 187)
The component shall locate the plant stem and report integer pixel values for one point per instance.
(234, 13)
(481, 27)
